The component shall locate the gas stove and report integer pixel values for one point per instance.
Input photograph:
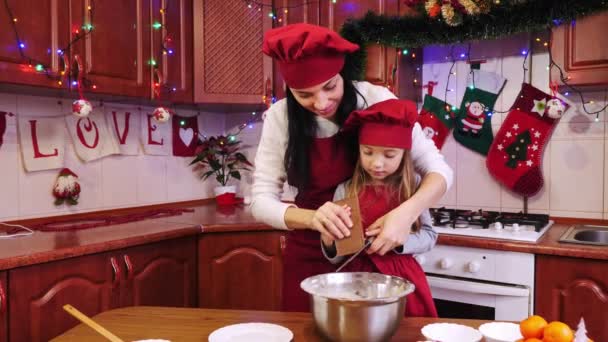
(490, 224)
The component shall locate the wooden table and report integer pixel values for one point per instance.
(186, 324)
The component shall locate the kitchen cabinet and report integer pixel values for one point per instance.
(570, 288)
(229, 67)
(160, 274)
(580, 50)
(42, 31)
(3, 308)
(172, 49)
(241, 270)
(292, 12)
(116, 54)
(38, 293)
(382, 62)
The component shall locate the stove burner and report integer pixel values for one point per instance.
(457, 218)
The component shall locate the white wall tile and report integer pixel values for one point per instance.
(151, 179)
(9, 174)
(183, 183)
(577, 171)
(119, 184)
(475, 185)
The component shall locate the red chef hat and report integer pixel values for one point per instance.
(388, 123)
(306, 54)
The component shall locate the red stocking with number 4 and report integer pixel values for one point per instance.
(515, 155)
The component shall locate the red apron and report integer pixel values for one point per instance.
(330, 166)
(375, 203)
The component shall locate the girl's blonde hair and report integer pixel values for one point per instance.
(402, 182)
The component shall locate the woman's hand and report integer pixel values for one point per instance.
(391, 230)
(332, 221)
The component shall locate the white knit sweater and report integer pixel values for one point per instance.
(270, 174)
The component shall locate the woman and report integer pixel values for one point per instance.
(301, 143)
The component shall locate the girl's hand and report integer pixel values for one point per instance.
(332, 221)
(391, 230)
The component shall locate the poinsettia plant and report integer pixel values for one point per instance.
(219, 156)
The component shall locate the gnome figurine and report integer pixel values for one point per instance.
(66, 188)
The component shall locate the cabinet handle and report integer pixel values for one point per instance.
(116, 272)
(282, 243)
(267, 98)
(2, 299)
(129, 265)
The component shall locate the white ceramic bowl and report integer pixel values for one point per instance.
(450, 332)
(500, 332)
(252, 332)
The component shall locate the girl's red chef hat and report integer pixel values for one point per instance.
(388, 123)
(307, 54)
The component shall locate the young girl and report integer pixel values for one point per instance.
(384, 178)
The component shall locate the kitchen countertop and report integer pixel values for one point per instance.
(186, 324)
(208, 218)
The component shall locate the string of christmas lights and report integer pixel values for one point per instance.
(274, 10)
(40, 66)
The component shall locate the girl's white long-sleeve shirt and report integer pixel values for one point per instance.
(270, 174)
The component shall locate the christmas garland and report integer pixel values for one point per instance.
(506, 19)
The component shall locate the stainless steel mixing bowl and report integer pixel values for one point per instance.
(357, 306)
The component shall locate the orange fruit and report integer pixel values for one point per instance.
(558, 332)
(533, 339)
(532, 327)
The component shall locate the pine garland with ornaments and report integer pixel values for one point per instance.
(493, 19)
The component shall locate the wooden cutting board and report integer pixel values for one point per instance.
(356, 240)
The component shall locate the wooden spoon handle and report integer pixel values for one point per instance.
(91, 323)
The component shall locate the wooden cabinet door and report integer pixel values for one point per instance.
(3, 308)
(291, 12)
(580, 50)
(229, 67)
(89, 283)
(569, 288)
(116, 54)
(172, 49)
(42, 29)
(160, 274)
(241, 270)
(382, 62)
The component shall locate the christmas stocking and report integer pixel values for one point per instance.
(436, 119)
(473, 123)
(516, 153)
(185, 135)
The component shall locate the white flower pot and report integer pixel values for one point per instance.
(225, 195)
(219, 190)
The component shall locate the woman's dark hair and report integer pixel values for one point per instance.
(302, 128)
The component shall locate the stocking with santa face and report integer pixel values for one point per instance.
(515, 156)
(436, 119)
(473, 122)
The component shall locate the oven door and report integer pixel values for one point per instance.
(466, 298)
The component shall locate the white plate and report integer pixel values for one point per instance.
(450, 332)
(252, 332)
(500, 332)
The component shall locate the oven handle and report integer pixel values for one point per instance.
(477, 288)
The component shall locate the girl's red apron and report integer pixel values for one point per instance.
(330, 166)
